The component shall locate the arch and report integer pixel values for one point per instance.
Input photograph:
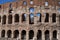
(54, 34)
(0, 6)
(16, 18)
(3, 33)
(10, 5)
(10, 8)
(31, 2)
(39, 15)
(4, 19)
(10, 19)
(23, 17)
(31, 34)
(0, 18)
(16, 34)
(46, 3)
(47, 35)
(9, 33)
(23, 35)
(54, 17)
(39, 35)
(24, 3)
(31, 10)
(31, 18)
(47, 17)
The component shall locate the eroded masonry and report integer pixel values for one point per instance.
(30, 20)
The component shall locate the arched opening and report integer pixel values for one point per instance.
(4, 19)
(16, 18)
(10, 8)
(31, 34)
(0, 18)
(31, 18)
(31, 2)
(47, 35)
(46, 3)
(24, 3)
(23, 17)
(53, 17)
(9, 33)
(39, 15)
(31, 10)
(10, 19)
(39, 35)
(0, 6)
(16, 34)
(23, 35)
(54, 34)
(3, 33)
(47, 17)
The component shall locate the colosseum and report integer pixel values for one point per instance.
(30, 20)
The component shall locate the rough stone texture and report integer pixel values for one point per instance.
(43, 26)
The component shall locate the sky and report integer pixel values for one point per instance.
(6, 1)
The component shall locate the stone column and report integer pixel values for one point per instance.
(35, 20)
(27, 19)
(7, 19)
(5, 34)
(1, 19)
(27, 35)
(35, 35)
(58, 34)
(12, 19)
(0, 33)
(20, 19)
(57, 20)
(12, 35)
(51, 35)
(43, 18)
(19, 36)
(43, 36)
(50, 20)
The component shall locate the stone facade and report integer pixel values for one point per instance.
(15, 26)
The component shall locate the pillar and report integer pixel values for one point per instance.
(51, 35)
(12, 19)
(43, 36)
(7, 19)
(20, 19)
(27, 35)
(50, 19)
(43, 18)
(1, 19)
(35, 35)
(58, 34)
(0, 33)
(57, 20)
(12, 35)
(27, 19)
(5, 34)
(19, 36)
(35, 20)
